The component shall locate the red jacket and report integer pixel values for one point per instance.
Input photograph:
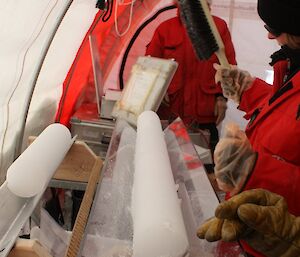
(274, 133)
(192, 91)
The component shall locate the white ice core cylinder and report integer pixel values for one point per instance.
(158, 226)
(31, 171)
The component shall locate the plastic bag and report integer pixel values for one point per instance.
(234, 159)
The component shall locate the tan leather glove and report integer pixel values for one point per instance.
(259, 217)
(233, 81)
(215, 229)
(234, 159)
(220, 109)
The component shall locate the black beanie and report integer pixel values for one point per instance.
(281, 15)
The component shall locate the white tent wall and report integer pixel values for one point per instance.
(25, 29)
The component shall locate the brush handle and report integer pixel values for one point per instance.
(222, 58)
(221, 51)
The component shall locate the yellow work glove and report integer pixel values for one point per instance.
(233, 81)
(234, 159)
(220, 109)
(259, 217)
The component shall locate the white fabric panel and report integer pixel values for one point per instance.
(59, 60)
(25, 28)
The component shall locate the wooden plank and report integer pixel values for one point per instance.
(84, 210)
(77, 164)
(28, 248)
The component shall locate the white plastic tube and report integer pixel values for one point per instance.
(158, 226)
(31, 171)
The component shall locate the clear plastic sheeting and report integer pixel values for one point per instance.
(15, 211)
(109, 231)
(110, 221)
(111, 215)
(51, 235)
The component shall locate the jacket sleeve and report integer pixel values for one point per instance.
(278, 176)
(254, 96)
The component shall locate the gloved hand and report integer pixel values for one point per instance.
(259, 217)
(234, 159)
(220, 109)
(233, 81)
(215, 229)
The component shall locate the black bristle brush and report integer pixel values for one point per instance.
(202, 30)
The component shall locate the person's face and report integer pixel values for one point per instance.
(281, 40)
(279, 36)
